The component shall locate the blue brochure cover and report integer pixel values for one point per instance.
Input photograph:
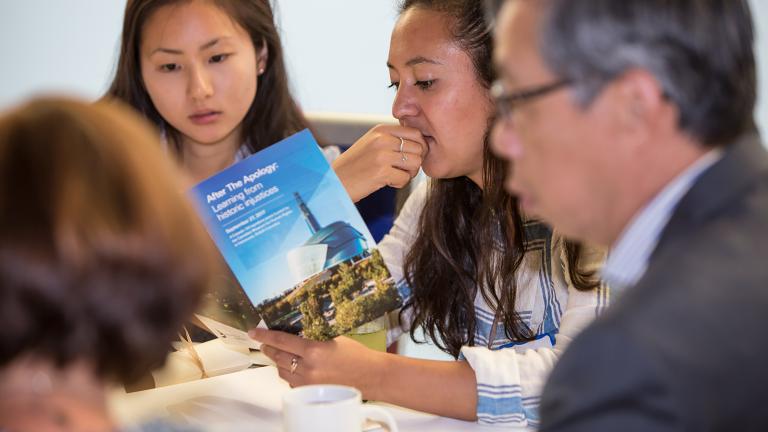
(301, 254)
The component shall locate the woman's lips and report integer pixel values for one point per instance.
(203, 118)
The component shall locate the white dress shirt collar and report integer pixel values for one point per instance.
(628, 258)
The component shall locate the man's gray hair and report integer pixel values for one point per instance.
(700, 51)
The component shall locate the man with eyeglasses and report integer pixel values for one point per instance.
(629, 123)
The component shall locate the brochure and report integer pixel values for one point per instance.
(301, 257)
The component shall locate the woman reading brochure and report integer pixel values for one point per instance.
(498, 290)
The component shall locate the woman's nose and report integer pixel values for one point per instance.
(200, 85)
(405, 104)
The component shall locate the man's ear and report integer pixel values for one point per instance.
(643, 98)
(642, 105)
(262, 56)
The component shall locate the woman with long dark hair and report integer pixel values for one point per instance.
(210, 74)
(497, 290)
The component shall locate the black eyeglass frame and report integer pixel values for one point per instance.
(506, 102)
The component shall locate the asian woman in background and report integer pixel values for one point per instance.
(211, 75)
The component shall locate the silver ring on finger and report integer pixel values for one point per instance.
(402, 154)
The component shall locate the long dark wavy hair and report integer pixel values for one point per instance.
(469, 238)
(273, 114)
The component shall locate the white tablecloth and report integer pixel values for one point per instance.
(247, 400)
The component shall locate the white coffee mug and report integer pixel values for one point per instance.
(330, 408)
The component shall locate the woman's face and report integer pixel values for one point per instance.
(438, 92)
(200, 69)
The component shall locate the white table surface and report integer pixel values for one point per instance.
(247, 400)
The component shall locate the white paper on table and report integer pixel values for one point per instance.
(217, 357)
(230, 335)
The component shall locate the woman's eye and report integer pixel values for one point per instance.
(394, 85)
(425, 85)
(169, 67)
(218, 58)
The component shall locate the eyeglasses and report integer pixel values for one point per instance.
(506, 102)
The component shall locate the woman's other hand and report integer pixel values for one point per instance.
(387, 155)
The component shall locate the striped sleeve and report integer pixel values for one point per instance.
(500, 399)
(510, 380)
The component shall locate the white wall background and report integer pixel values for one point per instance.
(760, 16)
(337, 53)
(336, 50)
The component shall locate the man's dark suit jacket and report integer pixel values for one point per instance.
(686, 348)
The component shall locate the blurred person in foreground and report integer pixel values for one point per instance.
(101, 261)
(630, 124)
